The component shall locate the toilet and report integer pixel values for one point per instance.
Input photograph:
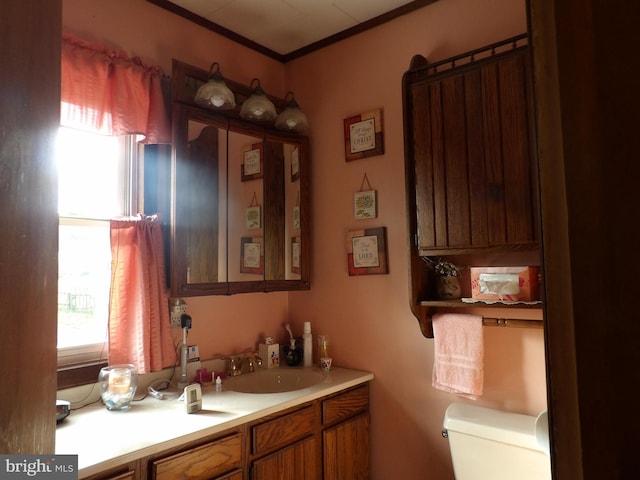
(492, 444)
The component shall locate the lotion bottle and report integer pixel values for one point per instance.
(308, 345)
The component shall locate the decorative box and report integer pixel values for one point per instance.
(509, 284)
(270, 354)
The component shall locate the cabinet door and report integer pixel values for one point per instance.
(471, 138)
(346, 450)
(295, 462)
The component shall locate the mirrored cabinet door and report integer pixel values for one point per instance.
(198, 223)
(246, 250)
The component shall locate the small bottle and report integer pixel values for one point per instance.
(308, 345)
(218, 384)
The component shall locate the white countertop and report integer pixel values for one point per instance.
(103, 439)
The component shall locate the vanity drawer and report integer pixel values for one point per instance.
(201, 463)
(283, 430)
(345, 405)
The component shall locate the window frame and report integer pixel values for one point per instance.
(81, 365)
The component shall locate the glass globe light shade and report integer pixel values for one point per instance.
(258, 106)
(215, 93)
(292, 119)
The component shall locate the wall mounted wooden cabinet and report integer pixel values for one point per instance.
(214, 247)
(471, 177)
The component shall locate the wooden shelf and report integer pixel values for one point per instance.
(492, 321)
(461, 304)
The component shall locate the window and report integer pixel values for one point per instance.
(95, 178)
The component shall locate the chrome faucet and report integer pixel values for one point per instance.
(239, 364)
(233, 366)
(250, 362)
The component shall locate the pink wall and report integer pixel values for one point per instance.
(367, 317)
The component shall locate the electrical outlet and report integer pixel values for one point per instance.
(177, 307)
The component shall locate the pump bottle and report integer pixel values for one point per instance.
(308, 345)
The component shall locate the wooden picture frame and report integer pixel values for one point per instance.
(252, 164)
(251, 255)
(363, 135)
(367, 251)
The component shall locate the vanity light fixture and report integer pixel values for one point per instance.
(257, 106)
(292, 119)
(215, 93)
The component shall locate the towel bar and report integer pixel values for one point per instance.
(512, 322)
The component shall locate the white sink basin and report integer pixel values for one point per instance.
(274, 380)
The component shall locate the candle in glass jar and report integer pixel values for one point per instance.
(119, 382)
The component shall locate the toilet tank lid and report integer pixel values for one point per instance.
(505, 427)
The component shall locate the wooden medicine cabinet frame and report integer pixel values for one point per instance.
(277, 191)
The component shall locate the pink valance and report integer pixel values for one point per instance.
(110, 93)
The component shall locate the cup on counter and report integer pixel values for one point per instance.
(325, 363)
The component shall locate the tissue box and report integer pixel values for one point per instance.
(505, 283)
(270, 355)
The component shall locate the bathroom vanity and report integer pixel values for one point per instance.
(318, 432)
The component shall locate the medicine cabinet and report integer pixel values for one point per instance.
(239, 219)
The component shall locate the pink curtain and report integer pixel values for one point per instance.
(108, 92)
(139, 329)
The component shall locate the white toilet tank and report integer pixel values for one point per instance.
(491, 444)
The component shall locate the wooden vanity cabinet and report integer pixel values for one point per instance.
(325, 439)
(470, 165)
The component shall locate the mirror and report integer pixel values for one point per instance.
(239, 201)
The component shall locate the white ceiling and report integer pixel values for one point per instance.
(285, 26)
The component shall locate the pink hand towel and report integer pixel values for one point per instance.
(458, 365)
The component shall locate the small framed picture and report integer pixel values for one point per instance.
(252, 255)
(363, 135)
(253, 217)
(295, 254)
(252, 160)
(367, 251)
(296, 217)
(364, 204)
(295, 164)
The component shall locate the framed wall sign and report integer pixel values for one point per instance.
(363, 135)
(295, 254)
(253, 217)
(252, 162)
(364, 204)
(296, 217)
(367, 251)
(251, 255)
(295, 164)
(364, 201)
